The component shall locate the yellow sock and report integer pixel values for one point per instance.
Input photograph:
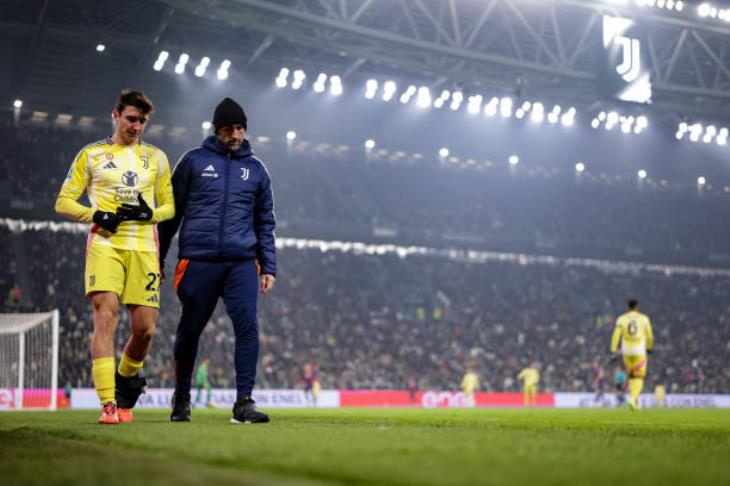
(129, 367)
(102, 370)
(635, 386)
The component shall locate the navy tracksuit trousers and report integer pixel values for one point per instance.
(199, 286)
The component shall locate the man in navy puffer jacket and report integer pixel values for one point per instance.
(224, 201)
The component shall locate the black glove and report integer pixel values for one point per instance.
(140, 212)
(613, 359)
(649, 351)
(108, 221)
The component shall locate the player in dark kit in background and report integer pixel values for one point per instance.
(224, 201)
(310, 380)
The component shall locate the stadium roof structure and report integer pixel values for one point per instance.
(547, 48)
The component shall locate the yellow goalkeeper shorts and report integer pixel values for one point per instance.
(133, 275)
(635, 365)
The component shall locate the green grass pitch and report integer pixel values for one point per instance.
(371, 446)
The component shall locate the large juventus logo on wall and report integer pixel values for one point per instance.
(625, 76)
(630, 68)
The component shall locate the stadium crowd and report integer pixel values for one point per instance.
(374, 321)
(378, 321)
(423, 201)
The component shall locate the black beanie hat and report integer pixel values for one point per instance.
(228, 112)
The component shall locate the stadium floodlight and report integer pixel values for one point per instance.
(406, 96)
(505, 107)
(291, 135)
(443, 152)
(456, 99)
(371, 88)
(513, 160)
(100, 48)
(602, 116)
(554, 115)
(695, 131)
(595, 123)
(423, 100)
(704, 10)
(520, 113)
(701, 181)
(389, 90)
(318, 85)
(181, 62)
(567, 119)
(612, 118)
(580, 167)
(200, 68)
(299, 77)
(474, 104)
(642, 174)
(626, 127)
(281, 79)
(538, 112)
(223, 69)
(490, 109)
(526, 106)
(438, 103)
(18, 104)
(445, 95)
(206, 125)
(369, 144)
(335, 85)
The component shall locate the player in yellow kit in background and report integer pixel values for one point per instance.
(128, 185)
(469, 385)
(633, 329)
(530, 377)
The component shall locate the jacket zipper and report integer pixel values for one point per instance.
(223, 207)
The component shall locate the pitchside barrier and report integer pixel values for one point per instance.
(85, 398)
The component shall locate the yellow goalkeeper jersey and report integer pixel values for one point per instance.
(114, 174)
(633, 329)
(529, 376)
(470, 382)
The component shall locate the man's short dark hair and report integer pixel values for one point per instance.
(633, 303)
(134, 98)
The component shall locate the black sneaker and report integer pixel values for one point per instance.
(244, 412)
(128, 389)
(180, 407)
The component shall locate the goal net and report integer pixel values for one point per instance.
(29, 361)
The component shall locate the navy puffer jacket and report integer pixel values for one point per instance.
(225, 204)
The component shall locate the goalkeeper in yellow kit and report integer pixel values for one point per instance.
(128, 185)
(530, 377)
(633, 329)
(469, 385)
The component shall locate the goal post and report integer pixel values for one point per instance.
(29, 361)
